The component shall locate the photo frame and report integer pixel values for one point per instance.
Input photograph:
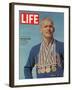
(24, 25)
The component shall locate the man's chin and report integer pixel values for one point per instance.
(48, 36)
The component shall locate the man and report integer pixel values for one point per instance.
(48, 56)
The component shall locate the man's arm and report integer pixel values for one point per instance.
(29, 65)
(62, 54)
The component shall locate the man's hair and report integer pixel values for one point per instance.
(47, 18)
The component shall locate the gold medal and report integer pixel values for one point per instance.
(48, 69)
(53, 68)
(39, 71)
(43, 70)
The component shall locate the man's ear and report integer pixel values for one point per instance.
(53, 29)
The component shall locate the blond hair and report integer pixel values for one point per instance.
(48, 19)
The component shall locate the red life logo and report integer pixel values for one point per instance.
(29, 18)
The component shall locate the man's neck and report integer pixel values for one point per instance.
(47, 40)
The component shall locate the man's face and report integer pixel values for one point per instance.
(47, 29)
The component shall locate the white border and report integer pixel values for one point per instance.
(16, 45)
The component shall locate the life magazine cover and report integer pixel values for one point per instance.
(30, 36)
(39, 44)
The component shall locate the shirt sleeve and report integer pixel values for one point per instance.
(62, 54)
(29, 65)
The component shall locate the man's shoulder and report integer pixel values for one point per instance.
(36, 46)
(60, 46)
(59, 42)
(35, 49)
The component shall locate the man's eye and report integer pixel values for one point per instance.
(46, 26)
(50, 26)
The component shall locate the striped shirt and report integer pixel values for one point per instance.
(47, 56)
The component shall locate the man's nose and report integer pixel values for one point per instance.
(48, 27)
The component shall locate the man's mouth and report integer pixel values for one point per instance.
(48, 32)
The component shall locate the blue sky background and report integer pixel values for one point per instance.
(29, 35)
